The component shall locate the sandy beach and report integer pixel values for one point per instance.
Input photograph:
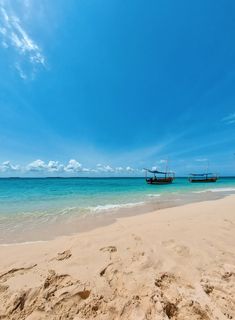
(175, 263)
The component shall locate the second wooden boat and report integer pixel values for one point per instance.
(203, 177)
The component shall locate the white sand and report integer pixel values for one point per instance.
(176, 263)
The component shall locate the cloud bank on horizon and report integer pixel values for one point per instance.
(73, 167)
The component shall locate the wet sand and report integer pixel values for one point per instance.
(174, 263)
(33, 226)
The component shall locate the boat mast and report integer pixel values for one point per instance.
(207, 168)
(167, 160)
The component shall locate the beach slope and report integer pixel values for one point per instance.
(176, 263)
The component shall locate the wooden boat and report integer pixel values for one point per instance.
(203, 177)
(163, 178)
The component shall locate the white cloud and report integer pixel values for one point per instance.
(55, 166)
(109, 169)
(37, 165)
(3, 31)
(73, 166)
(7, 166)
(230, 119)
(86, 170)
(116, 170)
(14, 36)
(104, 168)
(41, 166)
(129, 169)
(20, 71)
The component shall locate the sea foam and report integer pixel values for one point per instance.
(153, 195)
(216, 190)
(107, 207)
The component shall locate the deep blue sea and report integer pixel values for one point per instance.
(26, 204)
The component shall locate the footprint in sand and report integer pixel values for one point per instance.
(181, 250)
(228, 271)
(137, 256)
(64, 255)
(109, 249)
(168, 243)
(10, 273)
(3, 288)
(206, 286)
(164, 280)
(102, 272)
(136, 238)
(229, 222)
(227, 275)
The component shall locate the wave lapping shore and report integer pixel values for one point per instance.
(176, 263)
(42, 209)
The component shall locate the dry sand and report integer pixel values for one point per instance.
(176, 263)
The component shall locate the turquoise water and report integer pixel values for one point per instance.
(24, 202)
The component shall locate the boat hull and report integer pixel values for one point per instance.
(203, 180)
(160, 181)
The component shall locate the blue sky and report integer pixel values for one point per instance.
(109, 87)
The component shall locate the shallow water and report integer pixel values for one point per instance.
(36, 208)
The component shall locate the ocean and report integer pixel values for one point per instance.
(36, 209)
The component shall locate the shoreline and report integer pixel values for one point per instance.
(73, 224)
(176, 264)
